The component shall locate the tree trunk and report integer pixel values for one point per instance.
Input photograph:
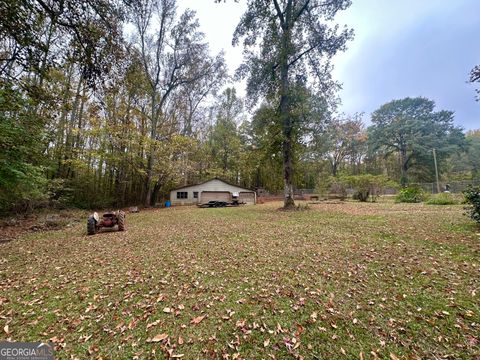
(404, 167)
(288, 202)
(155, 192)
(287, 123)
(70, 140)
(62, 123)
(148, 180)
(334, 168)
(287, 144)
(151, 159)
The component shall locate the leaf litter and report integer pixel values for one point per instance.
(355, 280)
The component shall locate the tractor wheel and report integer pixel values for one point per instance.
(121, 221)
(91, 226)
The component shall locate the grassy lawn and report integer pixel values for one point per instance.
(346, 281)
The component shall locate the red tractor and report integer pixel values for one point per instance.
(109, 220)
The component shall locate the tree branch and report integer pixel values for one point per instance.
(300, 12)
(298, 57)
(279, 13)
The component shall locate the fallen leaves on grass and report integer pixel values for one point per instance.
(156, 322)
(158, 338)
(197, 320)
(287, 285)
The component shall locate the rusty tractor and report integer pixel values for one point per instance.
(108, 220)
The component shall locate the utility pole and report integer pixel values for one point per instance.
(436, 170)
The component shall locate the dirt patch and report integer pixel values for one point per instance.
(13, 227)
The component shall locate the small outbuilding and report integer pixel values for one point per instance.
(215, 189)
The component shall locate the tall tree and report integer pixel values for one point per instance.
(190, 99)
(171, 52)
(411, 128)
(262, 137)
(287, 43)
(342, 138)
(224, 141)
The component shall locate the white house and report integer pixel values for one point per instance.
(214, 189)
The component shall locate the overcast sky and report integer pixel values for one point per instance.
(401, 48)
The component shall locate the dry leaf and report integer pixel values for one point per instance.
(197, 320)
(56, 340)
(132, 324)
(167, 310)
(266, 343)
(5, 328)
(156, 322)
(279, 328)
(158, 338)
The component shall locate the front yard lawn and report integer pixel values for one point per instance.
(348, 280)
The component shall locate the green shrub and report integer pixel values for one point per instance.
(472, 197)
(366, 186)
(442, 199)
(410, 194)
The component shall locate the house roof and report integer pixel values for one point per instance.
(215, 178)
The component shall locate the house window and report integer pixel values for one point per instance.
(182, 195)
(195, 194)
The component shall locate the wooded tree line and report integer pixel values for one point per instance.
(102, 102)
(112, 103)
